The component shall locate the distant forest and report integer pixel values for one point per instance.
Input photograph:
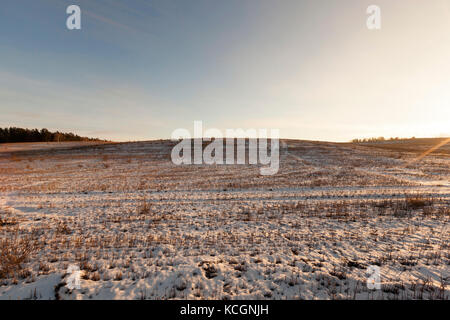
(380, 139)
(14, 134)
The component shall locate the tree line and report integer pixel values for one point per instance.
(379, 139)
(14, 134)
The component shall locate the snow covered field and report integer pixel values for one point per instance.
(140, 227)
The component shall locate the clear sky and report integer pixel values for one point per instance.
(140, 69)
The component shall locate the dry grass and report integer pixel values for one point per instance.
(14, 252)
(144, 207)
(417, 201)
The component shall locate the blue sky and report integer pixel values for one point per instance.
(141, 69)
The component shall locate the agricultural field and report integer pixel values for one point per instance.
(140, 227)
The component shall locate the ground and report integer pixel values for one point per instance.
(140, 227)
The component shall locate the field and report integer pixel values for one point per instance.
(140, 227)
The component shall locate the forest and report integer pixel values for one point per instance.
(14, 134)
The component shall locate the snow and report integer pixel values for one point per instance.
(226, 232)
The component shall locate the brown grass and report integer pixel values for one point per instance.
(417, 202)
(14, 253)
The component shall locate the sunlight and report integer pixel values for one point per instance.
(423, 155)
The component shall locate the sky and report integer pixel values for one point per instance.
(138, 70)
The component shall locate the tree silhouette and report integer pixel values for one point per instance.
(14, 134)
